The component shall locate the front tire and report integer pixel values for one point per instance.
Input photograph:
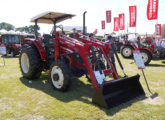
(146, 56)
(60, 75)
(126, 51)
(30, 62)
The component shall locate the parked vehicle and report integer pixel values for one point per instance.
(12, 43)
(159, 48)
(134, 43)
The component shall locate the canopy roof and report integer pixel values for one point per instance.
(50, 17)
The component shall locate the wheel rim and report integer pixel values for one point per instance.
(25, 63)
(127, 52)
(57, 77)
(144, 57)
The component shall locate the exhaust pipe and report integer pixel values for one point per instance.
(84, 30)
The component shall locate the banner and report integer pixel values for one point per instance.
(158, 29)
(152, 9)
(121, 22)
(95, 32)
(132, 16)
(116, 24)
(103, 24)
(108, 16)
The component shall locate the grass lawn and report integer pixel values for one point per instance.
(22, 100)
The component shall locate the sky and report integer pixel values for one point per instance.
(19, 13)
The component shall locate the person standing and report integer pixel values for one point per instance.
(73, 34)
(138, 41)
(110, 40)
(91, 36)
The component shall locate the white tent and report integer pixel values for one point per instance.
(3, 31)
(11, 32)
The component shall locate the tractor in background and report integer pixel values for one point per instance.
(134, 43)
(12, 41)
(159, 48)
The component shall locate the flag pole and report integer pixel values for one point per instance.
(110, 27)
(136, 23)
(156, 23)
(136, 20)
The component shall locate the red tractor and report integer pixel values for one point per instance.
(12, 43)
(158, 48)
(65, 57)
(146, 51)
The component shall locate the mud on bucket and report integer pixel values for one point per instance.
(116, 92)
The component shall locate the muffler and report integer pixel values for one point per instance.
(116, 92)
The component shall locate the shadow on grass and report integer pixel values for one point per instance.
(79, 91)
(114, 110)
(155, 65)
(131, 58)
(8, 57)
(163, 62)
(157, 58)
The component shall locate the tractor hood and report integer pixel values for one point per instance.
(50, 17)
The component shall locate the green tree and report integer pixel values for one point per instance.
(27, 29)
(6, 26)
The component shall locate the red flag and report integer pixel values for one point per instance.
(121, 21)
(152, 9)
(132, 16)
(108, 16)
(116, 24)
(103, 24)
(95, 32)
(158, 29)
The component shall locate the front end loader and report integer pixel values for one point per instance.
(64, 57)
(119, 90)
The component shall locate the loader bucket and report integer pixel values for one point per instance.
(116, 92)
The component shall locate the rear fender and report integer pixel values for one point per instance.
(40, 49)
(133, 47)
(148, 50)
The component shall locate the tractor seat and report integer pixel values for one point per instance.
(48, 40)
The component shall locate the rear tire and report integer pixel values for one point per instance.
(60, 75)
(30, 62)
(126, 51)
(146, 56)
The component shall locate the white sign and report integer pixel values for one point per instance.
(2, 50)
(138, 59)
(163, 44)
(99, 77)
